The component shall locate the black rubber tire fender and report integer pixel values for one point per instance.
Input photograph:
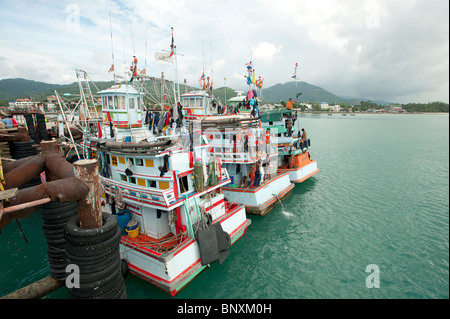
(88, 236)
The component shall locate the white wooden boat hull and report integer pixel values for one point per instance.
(263, 199)
(172, 271)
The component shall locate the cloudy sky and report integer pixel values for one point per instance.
(395, 50)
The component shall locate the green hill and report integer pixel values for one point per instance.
(11, 89)
(309, 93)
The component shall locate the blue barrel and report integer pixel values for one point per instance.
(123, 217)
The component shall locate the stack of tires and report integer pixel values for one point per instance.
(55, 216)
(41, 127)
(96, 253)
(22, 150)
(30, 126)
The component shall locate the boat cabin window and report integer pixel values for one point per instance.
(131, 103)
(114, 160)
(151, 183)
(139, 162)
(124, 178)
(110, 103)
(164, 185)
(149, 163)
(120, 102)
(184, 186)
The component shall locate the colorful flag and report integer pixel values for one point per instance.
(250, 95)
(259, 82)
(295, 71)
(172, 47)
(142, 71)
(111, 69)
(254, 77)
(162, 56)
(249, 78)
(165, 94)
(249, 66)
(201, 78)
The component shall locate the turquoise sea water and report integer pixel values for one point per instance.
(381, 198)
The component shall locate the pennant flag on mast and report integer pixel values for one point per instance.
(201, 78)
(295, 71)
(259, 82)
(111, 69)
(162, 56)
(172, 46)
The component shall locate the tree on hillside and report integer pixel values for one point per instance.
(316, 107)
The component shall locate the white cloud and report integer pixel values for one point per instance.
(265, 52)
(392, 50)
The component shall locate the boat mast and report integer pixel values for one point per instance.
(112, 48)
(176, 87)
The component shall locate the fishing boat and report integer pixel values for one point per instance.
(241, 145)
(294, 155)
(169, 189)
(237, 103)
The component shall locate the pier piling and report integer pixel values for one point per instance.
(89, 207)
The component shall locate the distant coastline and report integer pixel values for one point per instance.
(365, 112)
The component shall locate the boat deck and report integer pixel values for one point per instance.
(157, 246)
(167, 243)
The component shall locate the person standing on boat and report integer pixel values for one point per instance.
(261, 172)
(289, 125)
(303, 134)
(258, 173)
(290, 104)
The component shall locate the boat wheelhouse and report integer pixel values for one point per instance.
(237, 103)
(294, 156)
(198, 103)
(122, 112)
(171, 188)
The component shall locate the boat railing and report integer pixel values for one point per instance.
(140, 194)
(233, 157)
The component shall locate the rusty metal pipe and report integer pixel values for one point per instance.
(37, 289)
(58, 166)
(65, 190)
(38, 202)
(118, 145)
(10, 165)
(24, 173)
